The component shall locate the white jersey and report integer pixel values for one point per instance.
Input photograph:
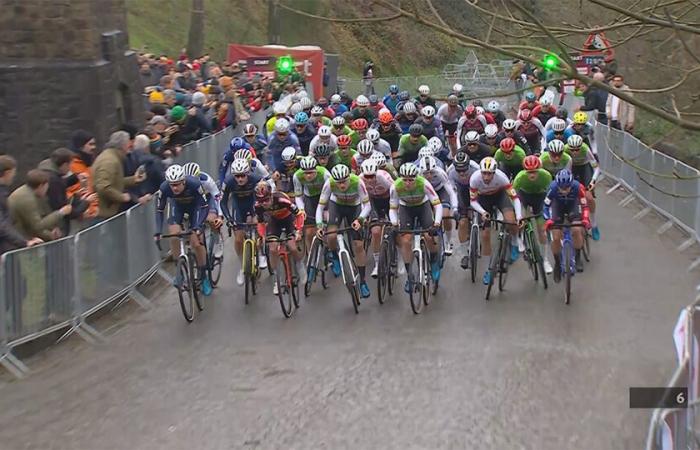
(258, 169)
(439, 179)
(378, 186)
(209, 186)
(499, 183)
(383, 147)
(447, 115)
(332, 143)
(459, 181)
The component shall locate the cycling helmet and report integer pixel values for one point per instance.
(580, 118)
(324, 131)
(379, 158)
(408, 170)
(556, 147)
(338, 121)
(282, 125)
(415, 130)
(493, 106)
(409, 108)
(558, 125)
(372, 135)
(457, 88)
(532, 162)
(240, 167)
(575, 141)
(322, 150)
(301, 118)
(308, 163)
(192, 169)
(472, 137)
(369, 167)
(359, 124)
(428, 111)
(362, 101)
(530, 97)
(404, 96)
(480, 110)
(344, 140)
(509, 124)
(243, 153)
(452, 100)
(435, 143)
(488, 164)
(470, 111)
(335, 98)
(289, 154)
(524, 115)
(250, 129)
(373, 100)
(461, 160)
(365, 147)
(546, 101)
(507, 145)
(424, 89)
(562, 113)
(295, 109)
(263, 191)
(564, 178)
(340, 172)
(237, 143)
(316, 111)
(491, 130)
(427, 163)
(306, 103)
(393, 89)
(386, 118)
(425, 151)
(477, 102)
(278, 108)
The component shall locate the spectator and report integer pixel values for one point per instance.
(368, 77)
(152, 165)
(595, 98)
(620, 113)
(30, 211)
(84, 148)
(10, 238)
(108, 174)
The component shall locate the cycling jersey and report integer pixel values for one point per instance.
(281, 215)
(339, 108)
(392, 135)
(258, 169)
(477, 154)
(312, 188)
(424, 101)
(191, 200)
(438, 178)
(528, 105)
(332, 143)
(408, 151)
(212, 191)
(499, 184)
(540, 185)
(588, 136)
(355, 137)
(573, 203)
(519, 140)
(287, 176)
(432, 128)
(356, 162)
(276, 146)
(581, 157)
(543, 115)
(584, 166)
(227, 160)
(510, 166)
(354, 195)
(391, 102)
(383, 147)
(533, 130)
(550, 166)
(551, 135)
(449, 114)
(243, 198)
(345, 158)
(342, 130)
(367, 114)
(420, 193)
(305, 138)
(462, 181)
(465, 125)
(405, 120)
(378, 186)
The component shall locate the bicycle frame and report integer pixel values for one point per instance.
(342, 249)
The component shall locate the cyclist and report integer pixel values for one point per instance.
(324, 136)
(509, 130)
(345, 154)
(237, 143)
(375, 105)
(337, 105)
(215, 217)
(429, 151)
(470, 121)
(338, 126)
(304, 131)
(490, 190)
(362, 109)
(530, 101)
(494, 108)
(255, 140)
(544, 111)
(188, 198)
(347, 200)
(239, 187)
(392, 98)
(490, 137)
(277, 214)
(532, 129)
(325, 157)
(424, 98)
(439, 150)
(449, 114)
(380, 144)
(327, 111)
(510, 158)
(558, 130)
(475, 149)
(555, 159)
(531, 186)
(410, 144)
(382, 164)
(407, 117)
(279, 141)
(279, 111)
(284, 177)
(480, 111)
(583, 128)
(585, 170)
(317, 119)
(412, 199)
(390, 131)
(378, 184)
(566, 196)
(562, 114)
(256, 167)
(431, 171)
(404, 98)
(431, 126)
(359, 132)
(308, 182)
(365, 149)
(459, 174)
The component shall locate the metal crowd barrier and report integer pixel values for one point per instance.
(60, 284)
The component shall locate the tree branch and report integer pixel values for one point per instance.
(645, 19)
(680, 38)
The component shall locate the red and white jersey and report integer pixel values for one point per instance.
(378, 186)
(499, 182)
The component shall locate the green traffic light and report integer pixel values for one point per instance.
(285, 65)
(550, 62)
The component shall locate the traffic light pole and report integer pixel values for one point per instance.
(273, 22)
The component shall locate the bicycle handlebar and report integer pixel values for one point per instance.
(567, 225)
(181, 235)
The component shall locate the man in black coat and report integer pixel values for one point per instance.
(10, 238)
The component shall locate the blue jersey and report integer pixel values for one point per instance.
(391, 103)
(243, 195)
(227, 160)
(191, 199)
(305, 137)
(275, 148)
(564, 202)
(339, 109)
(551, 135)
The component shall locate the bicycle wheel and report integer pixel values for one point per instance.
(391, 269)
(504, 261)
(247, 268)
(349, 274)
(383, 272)
(414, 296)
(529, 254)
(215, 264)
(567, 254)
(493, 267)
(427, 274)
(296, 294)
(194, 272)
(185, 289)
(474, 251)
(312, 265)
(586, 246)
(284, 290)
(537, 252)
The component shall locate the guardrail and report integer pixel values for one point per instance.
(60, 284)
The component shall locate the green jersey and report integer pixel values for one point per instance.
(551, 167)
(515, 162)
(355, 137)
(539, 185)
(409, 151)
(310, 188)
(581, 157)
(343, 159)
(421, 192)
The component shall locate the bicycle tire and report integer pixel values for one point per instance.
(296, 294)
(247, 268)
(392, 268)
(383, 272)
(413, 281)
(215, 264)
(530, 253)
(284, 291)
(586, 246)
(566, 261)
(474, 252)
(194, 271)
(312, 268)
(503, 262)
(427, 274)
(350, 282)
(540, 262)
(184, 290)
(493, 265)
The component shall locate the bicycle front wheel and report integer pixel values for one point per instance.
(414, 285)
(349, 274)
(312, 264)
(284, 288)
(247, 259)
(530, 253)
(215, 264)
(427, 274)
(391, 268)
(474, 251)
(383, 272)
(567, 255)
(194, 274)
(185, 289)
(503, 262)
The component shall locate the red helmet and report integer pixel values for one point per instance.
(344, 140)
(525, 115)
(470, 111)
(386, 118)
(262, 191)
(532, 162)
(507, 145)
(359, 124)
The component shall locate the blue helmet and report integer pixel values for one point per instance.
(530, 96)
(301, 118)
(393, 89)
(237, 143)
(564, 178)
(404, 95)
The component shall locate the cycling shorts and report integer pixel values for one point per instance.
(559, 210)
(310, 206)
(444, 196)
(275, 227)
(243, 208)
(534, 201)
(583, 174)
(380, 208)
(178, 211)
(409, 214)
(463, 200)
(337, 214)
(495, 202)
(450, 128)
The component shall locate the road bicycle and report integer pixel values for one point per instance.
(214, 264)
(533, 251)
(186, 275)
(249, 259)
(387, 262)
(568, 255)
(317, 263)
(498, 265)
(419, 274)
(474, 243)
(348, 269)
(286, 276)
(442, 246)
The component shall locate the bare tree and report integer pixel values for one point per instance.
(195, 39)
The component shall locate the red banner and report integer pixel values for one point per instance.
(308, 61)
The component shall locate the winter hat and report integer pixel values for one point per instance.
(156, 97)
(198, 98)
(177, 113)
(79, 139)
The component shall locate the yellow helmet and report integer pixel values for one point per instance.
(580, 118)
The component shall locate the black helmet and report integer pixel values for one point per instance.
(416, 129)
(373, 99)
(562, 113)
(461, 160)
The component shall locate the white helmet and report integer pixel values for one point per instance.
(493, 106)
(340, 172)
(308, 163)
(379, 158)
(175, 173)
(408, 170)
(324, 131)
(435, 143)
(338, 121)
(316, 111)
(427, 163)
(428, 111)
(425, 151)
(488, 164)
(545, 101)
(556, 147)
(289, 153)
(295, 109)
(480, 110)
(192, 169)
(369, 167)
(362, 101)
(243, 153)
(372, 135)
(278, 108)
(365, 147)
(423, 89)
(409, 107)
(306, 103)
(559, 125)
(509, 124)
(240, 166)
(491, 130)
(335, 98)
(575, 141)
(282, 125)
(471, 137)
(457, 88)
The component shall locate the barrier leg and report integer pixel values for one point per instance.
(84, 330)
(686, 245)
(695, 264)
(665, 227)
(612, 189)
(642, 213)
(627, 200)
(12, 364)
